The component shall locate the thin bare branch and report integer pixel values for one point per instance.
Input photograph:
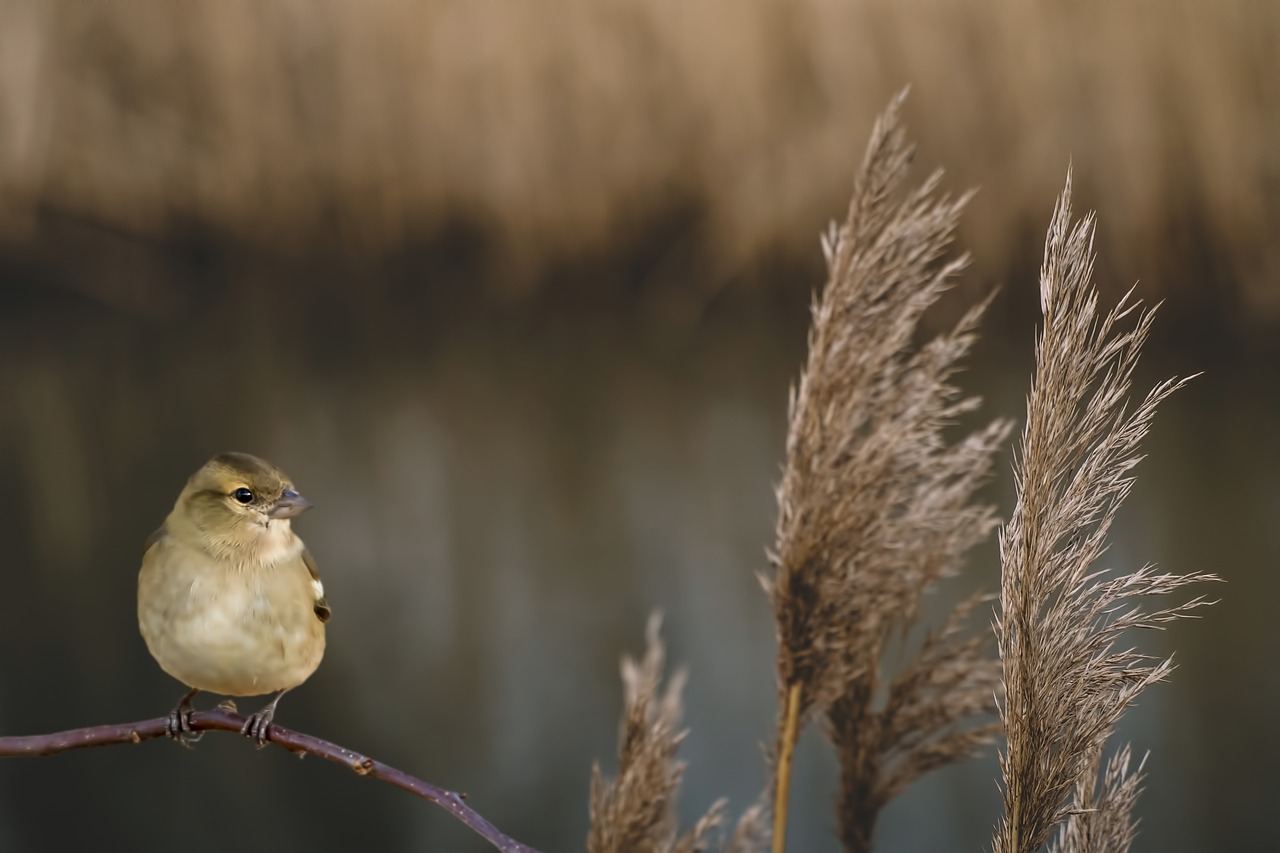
(220, 720)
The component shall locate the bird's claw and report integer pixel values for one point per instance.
(178, 724)
(258, 726)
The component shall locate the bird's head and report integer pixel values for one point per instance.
(237, 501)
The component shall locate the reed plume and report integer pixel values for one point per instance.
(1066, 682)
(876, 505)
(1102, 819)
(635, 812)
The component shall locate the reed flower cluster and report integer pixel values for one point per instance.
(1066, 680)
(877, 506)
(635, 812)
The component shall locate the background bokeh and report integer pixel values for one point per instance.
(514, 292)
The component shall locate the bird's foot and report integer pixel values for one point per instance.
(258, 726)
(178, 725)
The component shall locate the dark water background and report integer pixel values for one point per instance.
(499, 504)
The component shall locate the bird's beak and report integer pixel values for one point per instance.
(289, 505)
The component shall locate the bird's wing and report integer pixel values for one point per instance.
(159, 534)
(321, 606)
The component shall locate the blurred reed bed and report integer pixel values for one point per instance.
(572, 127)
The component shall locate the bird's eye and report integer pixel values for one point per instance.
(243, 495)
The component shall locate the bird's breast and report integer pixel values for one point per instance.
(239, 629)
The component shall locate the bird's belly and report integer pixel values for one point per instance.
(234, 641)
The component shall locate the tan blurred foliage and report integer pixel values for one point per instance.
(556, 126)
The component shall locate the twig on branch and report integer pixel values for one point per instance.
(301, 744)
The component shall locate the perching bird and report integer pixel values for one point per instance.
(229, 599)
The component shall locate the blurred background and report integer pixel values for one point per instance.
(514, 292)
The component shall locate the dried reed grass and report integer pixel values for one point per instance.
(876, 505)
(635, 812)
(1102, 818)
(1066, 682)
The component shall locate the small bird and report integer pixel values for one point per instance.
(229, 599)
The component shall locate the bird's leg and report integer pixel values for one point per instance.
(178, 726)
(257, 725)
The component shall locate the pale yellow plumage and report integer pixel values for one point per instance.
(229, 600)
